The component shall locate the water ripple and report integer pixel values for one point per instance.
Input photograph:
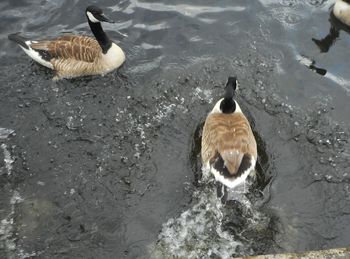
(152, 27)
(184, 9)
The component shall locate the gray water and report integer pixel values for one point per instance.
(108, 167)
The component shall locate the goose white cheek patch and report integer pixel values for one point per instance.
(91, 17)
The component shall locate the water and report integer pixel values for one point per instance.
(109, 166)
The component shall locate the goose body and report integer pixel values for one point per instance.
(229, 149)
(74, 55)
(341, 11)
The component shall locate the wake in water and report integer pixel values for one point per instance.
(212, 228)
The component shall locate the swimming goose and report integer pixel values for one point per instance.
(229, 148)
(341, 10)
(72, 55)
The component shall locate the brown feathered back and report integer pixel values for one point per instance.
(80, 48)
(230, 136)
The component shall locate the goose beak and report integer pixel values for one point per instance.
(104, 18)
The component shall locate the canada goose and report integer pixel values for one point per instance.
(341, 10)
(229, 148)
(72, 55)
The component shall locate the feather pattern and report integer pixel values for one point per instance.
(80, 48)
(230, 136)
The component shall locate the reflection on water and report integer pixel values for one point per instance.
(311, 64)
(325, 43)
(329, 40)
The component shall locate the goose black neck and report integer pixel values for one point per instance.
(101, 36)
(228, 105)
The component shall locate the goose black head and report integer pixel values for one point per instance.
(228, 105)
(95, 15)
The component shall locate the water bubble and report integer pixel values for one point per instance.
(289, 2)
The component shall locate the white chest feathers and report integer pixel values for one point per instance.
(114, 57)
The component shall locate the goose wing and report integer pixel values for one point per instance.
(80, 48)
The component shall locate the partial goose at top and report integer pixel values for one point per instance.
(74, 55)
(341, 10)
(229, 149)
(339, 19)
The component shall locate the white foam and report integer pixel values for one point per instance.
(6, 226)
(4, 133)
(163, 111)
(7, 159)
(197, 232)
(203, 94)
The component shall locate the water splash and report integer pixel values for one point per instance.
(211, 228)
(7, 159)
(7, 241)
(4, 133)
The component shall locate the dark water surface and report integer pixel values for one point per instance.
(108, 167)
